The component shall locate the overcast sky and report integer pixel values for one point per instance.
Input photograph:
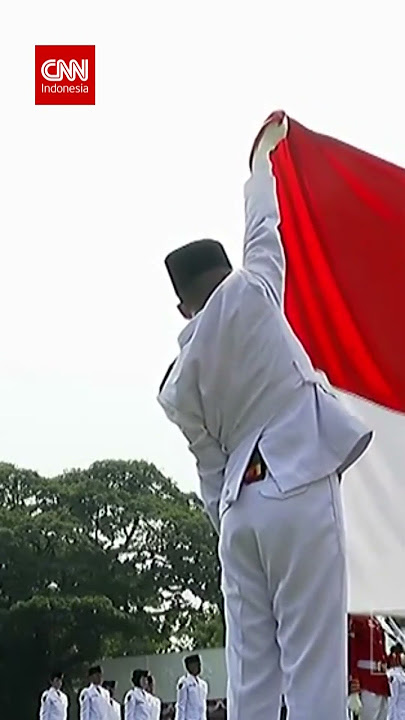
(94, 197)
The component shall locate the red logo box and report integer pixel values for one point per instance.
(65, 75)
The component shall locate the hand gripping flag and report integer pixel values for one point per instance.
(342, 226)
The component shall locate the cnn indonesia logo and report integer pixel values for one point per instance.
(64, 74)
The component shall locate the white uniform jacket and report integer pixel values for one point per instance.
(155, 705)
(54, 705)
(137, 705)
(94, 702)
(243, 379)
(115, 710)
(191, 701)
(396, 703)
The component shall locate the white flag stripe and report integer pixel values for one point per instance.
(374, 502)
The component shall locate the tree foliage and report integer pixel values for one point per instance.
(106, 561)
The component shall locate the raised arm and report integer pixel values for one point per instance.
(263, 251)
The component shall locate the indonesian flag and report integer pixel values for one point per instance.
(343, 229)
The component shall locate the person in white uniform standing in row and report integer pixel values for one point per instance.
(192, 692)
(137, 704)
(396, 703)
(54, 702)
(94, 700)
(115, 707)
(156, 705)
(271, 442)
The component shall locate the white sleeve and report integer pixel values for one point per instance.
(84, 703)
(211, 460)
(181, 701)
(44, 707)
(66, 705)
(129, 710)
(263, 251)
(204, 709)
(211, 463)
(393, 699)
(158, 706)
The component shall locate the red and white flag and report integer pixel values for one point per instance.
(343, 230)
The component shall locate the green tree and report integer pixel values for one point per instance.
(106, 561)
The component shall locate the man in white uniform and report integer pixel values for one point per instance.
(192, 692)
(94, 700)
(155, 703)
(271, 443)
(54, 702)
(137, 705)
(396, 703)
(115, 707)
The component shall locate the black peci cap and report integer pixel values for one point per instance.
(56, 675)
(109, 684)
(188, 262)
(137, 675)
(95, 670)
(192, 660)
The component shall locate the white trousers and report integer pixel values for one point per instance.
(284, 585)
(375, 707)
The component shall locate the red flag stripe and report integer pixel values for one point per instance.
(343, 229)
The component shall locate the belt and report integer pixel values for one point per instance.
(371, 665)
(255, 471)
